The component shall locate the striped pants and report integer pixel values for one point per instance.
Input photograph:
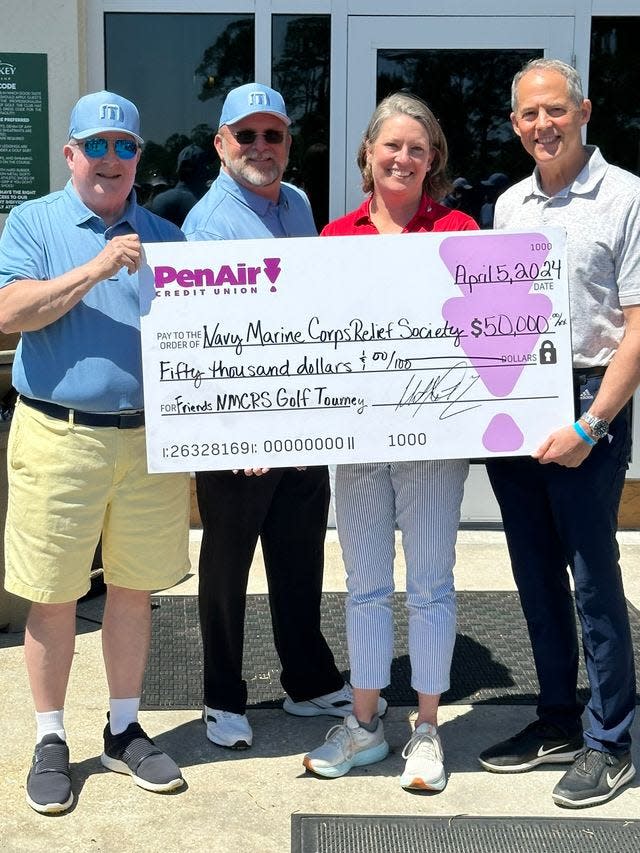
(424, 499)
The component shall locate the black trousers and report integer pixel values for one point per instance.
(288, 510)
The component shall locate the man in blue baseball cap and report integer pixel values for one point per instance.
(252, 142)
(77, 458)
(285, 508)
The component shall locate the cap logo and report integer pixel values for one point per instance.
(258, 99)
(111, 112)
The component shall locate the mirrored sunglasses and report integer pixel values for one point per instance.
(97, 146)
(248, 137)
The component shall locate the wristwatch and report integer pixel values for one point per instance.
(598, 426)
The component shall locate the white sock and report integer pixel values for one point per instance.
(50, 723)
(121, 713)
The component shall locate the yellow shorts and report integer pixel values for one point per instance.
(69, 484)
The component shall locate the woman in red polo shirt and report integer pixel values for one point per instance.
(402, 159)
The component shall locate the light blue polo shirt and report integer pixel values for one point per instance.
(229, 211)
(89, 359)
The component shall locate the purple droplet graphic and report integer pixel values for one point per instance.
(503, 434)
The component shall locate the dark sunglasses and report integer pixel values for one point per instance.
(97, 146)
(248, 137)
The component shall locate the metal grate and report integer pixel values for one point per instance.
(394, 834)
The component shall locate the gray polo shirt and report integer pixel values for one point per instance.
(600, 211)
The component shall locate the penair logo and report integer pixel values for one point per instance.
(225, 280)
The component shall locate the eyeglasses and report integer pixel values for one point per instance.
(248, 137)
(97, 146)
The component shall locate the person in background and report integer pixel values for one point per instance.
(285, 508)
(403, 159)
(493, 186)
(150, 188)
(174, 203)
(459, 198)
(76, 456)
(560, 507)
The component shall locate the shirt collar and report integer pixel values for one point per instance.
(424, 211)
(258, 203)
(584, 183)
(362, 216)
(82, 213)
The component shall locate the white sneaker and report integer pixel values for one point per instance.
(424, 769)
(225, 728)
(347, 745)
(337, 704)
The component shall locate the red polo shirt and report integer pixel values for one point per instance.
(430, 216)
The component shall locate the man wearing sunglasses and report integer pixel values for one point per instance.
(77, 459)
(286, 508)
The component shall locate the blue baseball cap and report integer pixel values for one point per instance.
(252, 98)
(498, 179)
(103, 111)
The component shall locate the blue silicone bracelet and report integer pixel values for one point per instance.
(583, 435)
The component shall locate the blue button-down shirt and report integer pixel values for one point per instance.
(229, 211)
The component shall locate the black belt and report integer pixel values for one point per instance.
(126, 420)
(580, 374)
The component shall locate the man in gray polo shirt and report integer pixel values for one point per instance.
(560, 507)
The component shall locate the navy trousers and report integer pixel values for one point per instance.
(556, 517)
(288, 510)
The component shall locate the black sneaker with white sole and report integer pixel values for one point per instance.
(133, 752)
(538, 743)
(49, 781)
(593, 778)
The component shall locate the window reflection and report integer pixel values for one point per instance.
(300, 51)
(177, 69)
(470, 93)
(614, 83)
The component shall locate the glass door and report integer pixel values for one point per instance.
(462, 67)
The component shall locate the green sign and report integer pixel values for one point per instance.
(24, 128)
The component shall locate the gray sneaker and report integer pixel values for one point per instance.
(133, 752)
(593, 778)
(49, 781)
(347, 745)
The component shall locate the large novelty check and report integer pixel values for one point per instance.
(353, 349)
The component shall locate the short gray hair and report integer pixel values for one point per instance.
(574, 83)
(436, 183)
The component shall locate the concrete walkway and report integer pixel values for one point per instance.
(243, 801)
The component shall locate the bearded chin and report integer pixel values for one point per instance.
(261, 178)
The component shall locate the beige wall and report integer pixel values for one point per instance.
(54, 27)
